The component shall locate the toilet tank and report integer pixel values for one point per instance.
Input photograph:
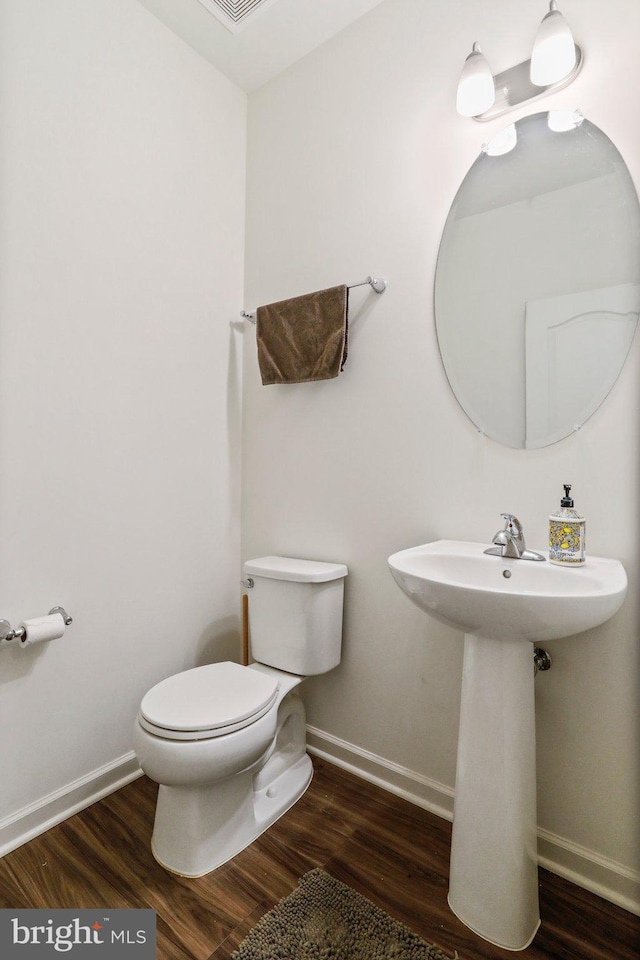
(295, 613)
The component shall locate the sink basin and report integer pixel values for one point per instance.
(459, 584)
(499, 603)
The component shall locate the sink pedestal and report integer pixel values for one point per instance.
(494, 872)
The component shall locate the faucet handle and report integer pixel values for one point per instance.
(510, 541)
(512, 521)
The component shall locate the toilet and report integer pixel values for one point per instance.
(227, 743)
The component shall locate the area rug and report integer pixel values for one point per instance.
(324, 919)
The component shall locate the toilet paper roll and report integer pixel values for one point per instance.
(41, 629)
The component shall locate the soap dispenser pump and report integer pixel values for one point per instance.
(567, 530)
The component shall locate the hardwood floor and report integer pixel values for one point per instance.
(390, 850)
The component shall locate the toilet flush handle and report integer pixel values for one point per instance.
(248, 583)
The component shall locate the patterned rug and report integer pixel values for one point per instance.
(323, 919)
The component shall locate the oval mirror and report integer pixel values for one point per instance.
(537, 287)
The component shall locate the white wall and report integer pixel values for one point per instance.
(121, 248)
(355, 155)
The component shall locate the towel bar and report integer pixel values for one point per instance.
(378, 284)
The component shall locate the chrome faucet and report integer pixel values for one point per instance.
(510, 541)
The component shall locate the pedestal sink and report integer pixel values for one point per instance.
(503, 606)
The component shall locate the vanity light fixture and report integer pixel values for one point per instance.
(556, 60)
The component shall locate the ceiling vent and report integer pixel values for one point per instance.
(235, 14)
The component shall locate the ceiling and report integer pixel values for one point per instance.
(271, 38)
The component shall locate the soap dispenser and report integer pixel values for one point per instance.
(567, 533)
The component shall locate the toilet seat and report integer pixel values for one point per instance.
(208, 701)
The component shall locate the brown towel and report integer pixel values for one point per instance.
(304, 338)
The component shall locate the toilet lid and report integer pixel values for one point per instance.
(207, 701)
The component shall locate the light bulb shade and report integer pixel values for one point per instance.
(476, 89)
(554, 50)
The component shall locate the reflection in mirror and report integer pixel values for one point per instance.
(537, 288)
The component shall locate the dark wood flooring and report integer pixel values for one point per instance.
(388, 849)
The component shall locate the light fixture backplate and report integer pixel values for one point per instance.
(514, 87)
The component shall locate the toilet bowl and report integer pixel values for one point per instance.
(220, 790)
(227, 743)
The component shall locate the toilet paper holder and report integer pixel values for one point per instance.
(6, 633)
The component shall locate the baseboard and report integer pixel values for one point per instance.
(586, 868)
(38, 817)
(607, 878)
(412, 786)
